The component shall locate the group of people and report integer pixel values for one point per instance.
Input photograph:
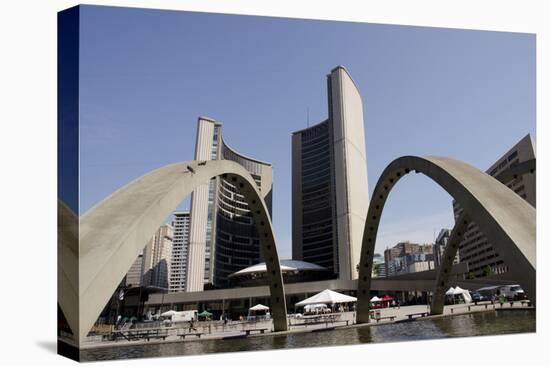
(345, 307)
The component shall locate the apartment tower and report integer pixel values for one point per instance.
(178, 263)
(156, 258)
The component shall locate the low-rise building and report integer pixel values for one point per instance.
(401, 258)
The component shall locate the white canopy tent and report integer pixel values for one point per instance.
(328, 297)
(259, 307)
(258, 312)
(459, 291)
(464, 292)
(168, 313)
(375, 299)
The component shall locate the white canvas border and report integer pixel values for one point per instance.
(28, 195)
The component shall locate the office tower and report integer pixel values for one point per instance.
(223, 237)
(475, 249)
(329, 182)
(178, 262)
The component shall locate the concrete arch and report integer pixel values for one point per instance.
(112, 234)
(506, 220)
(457, 235)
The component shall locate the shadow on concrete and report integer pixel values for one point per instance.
(48, 345)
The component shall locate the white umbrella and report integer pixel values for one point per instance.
(259, 307)
(450, 291)
(327, 296)
(168, 313)
(375, 299)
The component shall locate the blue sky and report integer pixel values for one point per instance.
(147, 75)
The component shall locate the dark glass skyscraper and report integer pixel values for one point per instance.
(329, 182)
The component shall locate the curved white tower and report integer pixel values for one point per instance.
(223, 238)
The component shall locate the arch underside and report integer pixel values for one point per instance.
(111, 235)
(457, 236)
(506, 220)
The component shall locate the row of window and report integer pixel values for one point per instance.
(323, 191)
(316, 157)
(309, 189)
(326, 259)
(318, 249)
(311, 152)
(317, 205)
(318, 225)
(317, 216)
(314, 134)
(316, 166)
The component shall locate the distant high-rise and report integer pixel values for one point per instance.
(223, 238)
(156, 258)
(407, 257)
(378, 266)
(475, 249)
(135, 274)
(329, 182)
(152, 266)
(440, 245)
(178, 263)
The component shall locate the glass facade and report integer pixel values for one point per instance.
(237, 242)
(231, 241)
(318, 227)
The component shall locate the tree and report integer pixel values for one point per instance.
(487, 271)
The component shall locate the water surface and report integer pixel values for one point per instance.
(475, 324)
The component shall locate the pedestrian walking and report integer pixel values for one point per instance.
(192, 324)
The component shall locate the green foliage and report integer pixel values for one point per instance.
(487, 271)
